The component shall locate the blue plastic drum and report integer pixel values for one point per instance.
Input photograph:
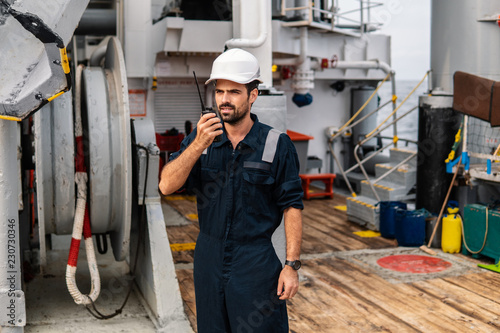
(388, 217)
(410, 228)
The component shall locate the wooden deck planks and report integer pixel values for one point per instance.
(332, 222)
(186, 285)
(347, 312)
(484, 284)
(385, 297)
(464, 301)
(336, 295)
(180, 235)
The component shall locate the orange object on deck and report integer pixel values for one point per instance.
(326, 178)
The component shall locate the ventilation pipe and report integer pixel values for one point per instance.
(261, 38)
(303, 80)
(251, 31)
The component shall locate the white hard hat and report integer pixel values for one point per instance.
(236, 65)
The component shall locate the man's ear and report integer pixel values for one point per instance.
(253, 95)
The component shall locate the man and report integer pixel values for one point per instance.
(245, 183)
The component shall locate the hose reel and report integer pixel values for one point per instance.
(106, 131)
(101, 97)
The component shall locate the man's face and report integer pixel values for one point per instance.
(233, 101)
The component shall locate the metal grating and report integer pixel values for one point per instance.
(176, 100)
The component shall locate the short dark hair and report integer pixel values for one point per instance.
(251, 86)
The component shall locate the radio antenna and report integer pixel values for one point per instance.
(199, 93)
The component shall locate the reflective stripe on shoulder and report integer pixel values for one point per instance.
(271, 145)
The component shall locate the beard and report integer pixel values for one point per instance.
(238, 113)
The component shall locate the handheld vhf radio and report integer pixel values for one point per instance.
(205, 110)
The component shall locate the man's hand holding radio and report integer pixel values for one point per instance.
(209, 128)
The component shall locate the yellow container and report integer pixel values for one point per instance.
(451, 237)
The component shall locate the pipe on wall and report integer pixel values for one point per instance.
(367, 64)
(261, 38)
(303, 52)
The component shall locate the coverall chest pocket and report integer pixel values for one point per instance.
(258, 189)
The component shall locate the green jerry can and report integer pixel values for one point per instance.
(481, 231)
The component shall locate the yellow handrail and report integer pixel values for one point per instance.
(364, 105)
(397, 108)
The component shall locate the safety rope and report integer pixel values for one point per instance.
(364, 105)
(397, 108)
(82, 220)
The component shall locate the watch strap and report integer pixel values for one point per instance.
(295, 264)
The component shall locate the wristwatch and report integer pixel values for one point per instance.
(294, 264)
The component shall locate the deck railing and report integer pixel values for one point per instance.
(328, 16)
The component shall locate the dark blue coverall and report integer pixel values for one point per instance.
(241, 195)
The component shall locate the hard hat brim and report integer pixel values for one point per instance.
(233, 78)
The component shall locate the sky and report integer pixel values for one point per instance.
(408, 24)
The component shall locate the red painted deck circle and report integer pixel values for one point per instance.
(411, 263)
